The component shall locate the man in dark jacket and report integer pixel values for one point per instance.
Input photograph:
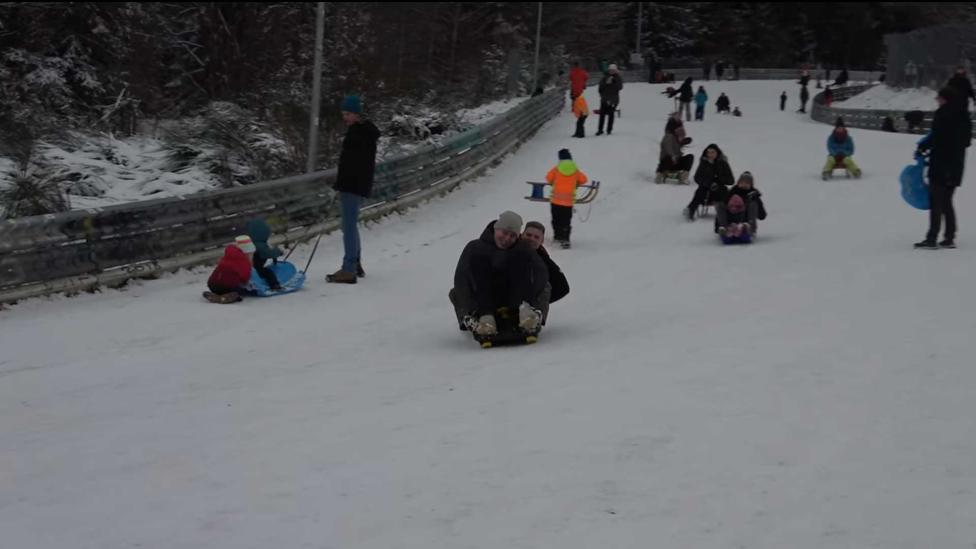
(961, 82)
(804, 97)
(950, 136)
(535, 234)
(500, 270)
(354, 181)
(842, 79)
(685, 95)
(610, 86)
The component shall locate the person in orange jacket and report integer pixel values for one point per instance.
(581, 110)
(577, 81)
(564, 177)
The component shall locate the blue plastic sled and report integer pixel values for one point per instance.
(913, 187)
(290, 278)
(743, 239)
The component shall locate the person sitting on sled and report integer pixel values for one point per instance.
(230, 278)
(671, 159)
(723, 104)
(743, 209)
(499, 270)
(714, 177)
(535, 234)
(260, 232)
(840, 149)
(564, 178)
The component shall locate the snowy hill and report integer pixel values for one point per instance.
(812, 390)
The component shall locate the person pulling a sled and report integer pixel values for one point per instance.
(498, 277)
(564, 178)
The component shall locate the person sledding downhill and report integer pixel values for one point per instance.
(501, 286)
(714, 177)
(736, 219)
(564, 177)
(840, 148)
(672, 165)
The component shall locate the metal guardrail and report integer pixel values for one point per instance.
(78, 250)
(868, 119)
(770, 74)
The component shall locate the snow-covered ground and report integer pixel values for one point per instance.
(885, 98)
(812, 390)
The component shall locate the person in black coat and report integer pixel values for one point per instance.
(946, 144)
(804, 78)
(842, 79)
(713, 177)
(723, 104)
(961, 82)
(685, 94)
(354, 181)
(804, 97)
(535, 235)
(782, 101)
(500, 270)
(610, 86)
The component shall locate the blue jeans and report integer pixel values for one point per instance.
(350, 204)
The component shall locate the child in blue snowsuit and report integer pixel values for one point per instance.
(700, 99)
(260, 232)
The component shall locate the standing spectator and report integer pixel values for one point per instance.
(804, 97)
(719, 69)
(610, 86)
(685, 94)
(963, 85)
(782, 101)
(581, 110)
(951, 135)
(707, 69)
(701, 98)
(354, 181)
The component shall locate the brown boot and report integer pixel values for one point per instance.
(341, 277)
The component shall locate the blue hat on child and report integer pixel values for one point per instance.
(351, 103)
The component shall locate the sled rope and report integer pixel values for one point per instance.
(314, 248)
